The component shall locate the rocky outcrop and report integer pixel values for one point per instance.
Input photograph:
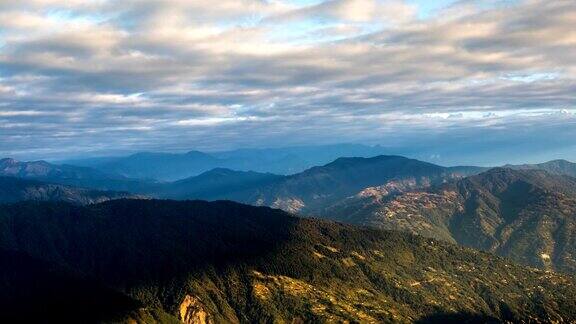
(192, 311)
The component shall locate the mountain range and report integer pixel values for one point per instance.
(218, 184)
(143, 172)
(281, 161)
(307, 192)
(558, 167)
(72, 175)
(221, 262)
(199, 262)
(526, 215)
(14, 190)
(172, 167)
(314, 189)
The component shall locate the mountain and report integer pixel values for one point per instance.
(218, 184)
(292, 160)
(171, 166)
(72, 175)
(526, 215)
(313, 190)
(15, 190)
(558, 167)
(223, 262)
(465, 171)
(43, 169)
(162, 166)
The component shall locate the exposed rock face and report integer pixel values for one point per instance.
(289, 204)
(392, 187)
(192, 311)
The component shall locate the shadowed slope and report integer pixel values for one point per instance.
(226, 262)
(33, 291)
(219, 184)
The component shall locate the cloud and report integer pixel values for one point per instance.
(356, 11)
(175, 74)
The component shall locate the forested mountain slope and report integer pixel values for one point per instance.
(224, 262)
(528, 215)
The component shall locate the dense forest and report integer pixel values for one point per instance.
(223, 262)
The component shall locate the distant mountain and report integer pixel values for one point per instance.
(15, 190)
(319, 187)
(465, 171)
(162, 166)
(526, 215)
(292, 160)
(43, 169)
(218, 184)
(558, 167)
(222, 262)
(72, 175)
(171, 167)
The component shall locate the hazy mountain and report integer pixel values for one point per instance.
(228, 263)
(559, 167)
(170, 166)
(218, 184)
(72, 175)
(528, 215)
(464, 171)
(162, 166)
(316, 188)
(319, 187)
(292, 160)
(43, 169)
(15, 189)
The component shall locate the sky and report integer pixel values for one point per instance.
(487, 81)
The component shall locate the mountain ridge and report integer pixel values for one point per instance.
(218, 184)
(282, 161)
(528, 215)
(313, 190)
(558, 167)
(72, 175)
(15, 189)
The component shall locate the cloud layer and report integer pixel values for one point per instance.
(96, 76)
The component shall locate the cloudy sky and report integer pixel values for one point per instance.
(94, 77)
